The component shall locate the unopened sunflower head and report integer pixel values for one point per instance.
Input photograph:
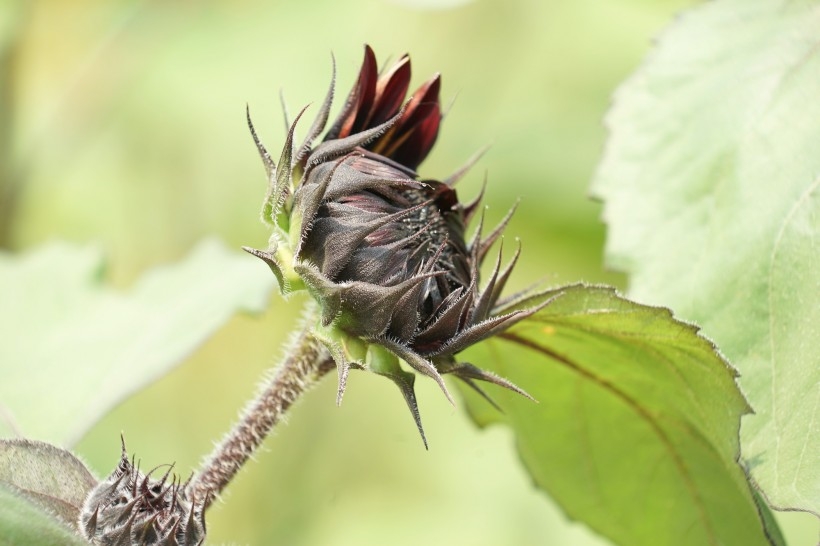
(130, 508)
(382, 251)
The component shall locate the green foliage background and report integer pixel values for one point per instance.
(123, 123)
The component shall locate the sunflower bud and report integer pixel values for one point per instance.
(382, 250)
(130, 508)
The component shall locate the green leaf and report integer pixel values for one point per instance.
(711, 182)
(22, 523)
(636, 427)
(76, 347)
(47, 476)
(769, 521)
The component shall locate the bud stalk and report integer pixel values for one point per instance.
(306, 362)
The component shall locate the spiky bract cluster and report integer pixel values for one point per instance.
(130, 508)
(381, 250)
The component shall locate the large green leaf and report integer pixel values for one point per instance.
(72, 347)
(636, 427)
(711, 183)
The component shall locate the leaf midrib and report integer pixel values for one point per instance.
(640, 410)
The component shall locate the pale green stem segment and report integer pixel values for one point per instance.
(306, 361)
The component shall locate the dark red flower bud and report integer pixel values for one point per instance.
(383, 251)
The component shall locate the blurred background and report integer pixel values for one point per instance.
(122, 123)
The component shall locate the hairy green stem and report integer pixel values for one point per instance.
(306, 361)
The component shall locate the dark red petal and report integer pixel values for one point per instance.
(418, 143)
(359, 101)
(411, 139)
(423, 100)
(390, 92)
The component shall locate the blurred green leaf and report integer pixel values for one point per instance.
(24, 524)
(47, 476)
(636, 427)
(95, 346)
(710, 183)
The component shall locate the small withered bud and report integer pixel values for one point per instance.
(383, 251)
(129, 508)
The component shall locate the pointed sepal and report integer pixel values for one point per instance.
(417, 362)
(385, 363)
(321, 118)
(280, 181)
(334, 148)
(468, 372)
(360, 308)
(274, 265)
(348, 352)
